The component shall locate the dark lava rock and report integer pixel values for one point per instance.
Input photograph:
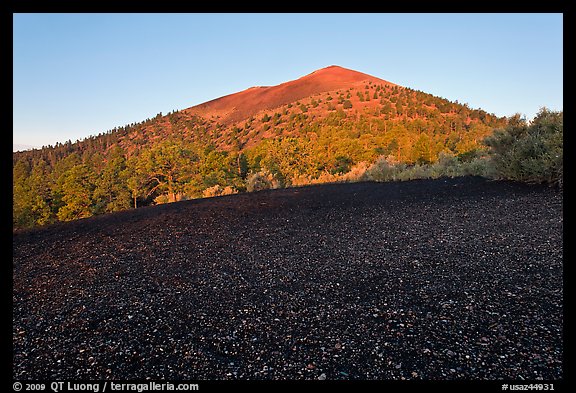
(429, 279)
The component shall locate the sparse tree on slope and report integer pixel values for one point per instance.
(40, 188)
(111, 192)
(169, 166)
(77, 189)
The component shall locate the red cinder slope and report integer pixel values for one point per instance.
(239, 106)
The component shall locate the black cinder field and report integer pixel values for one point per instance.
(427, 279)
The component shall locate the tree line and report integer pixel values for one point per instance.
(174, 157)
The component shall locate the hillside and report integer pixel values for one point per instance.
(332, 96)
(240, 106)
(449, 279)
(328, 126)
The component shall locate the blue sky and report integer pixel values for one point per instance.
(77, 75)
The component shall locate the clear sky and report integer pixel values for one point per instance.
(77, 75)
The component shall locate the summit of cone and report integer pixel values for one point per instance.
(238, 106)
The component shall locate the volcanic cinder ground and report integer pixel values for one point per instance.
(429, 279)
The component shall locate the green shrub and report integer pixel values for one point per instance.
(342, 164)
(531, 153)
(383, 169)
(447, 165)
(415, 172)
(218, 190)
(258, 181)
(478, 167)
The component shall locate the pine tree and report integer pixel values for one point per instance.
(168, 166)
(77, 189)
(21, 196)
(111, 191)
(40, 188)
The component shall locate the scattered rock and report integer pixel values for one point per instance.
(257, 285)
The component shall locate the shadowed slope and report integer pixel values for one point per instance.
(429, 279)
